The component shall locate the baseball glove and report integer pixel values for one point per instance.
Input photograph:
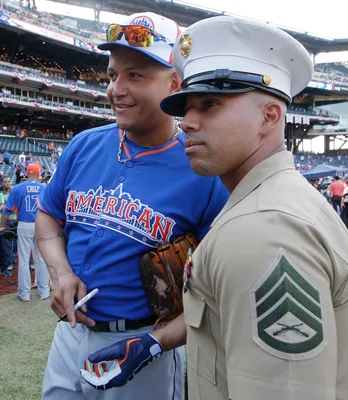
(162, 273)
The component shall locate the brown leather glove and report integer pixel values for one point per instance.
(162, 273)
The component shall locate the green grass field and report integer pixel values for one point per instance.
(26, 333)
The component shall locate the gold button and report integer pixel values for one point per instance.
(266, 79)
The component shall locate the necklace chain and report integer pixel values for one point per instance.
(124, 135)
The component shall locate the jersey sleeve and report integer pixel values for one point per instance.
(11, 203)
(272, 276)
(218, 198)
(52, 198)
(2, 200)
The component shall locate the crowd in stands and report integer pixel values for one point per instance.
(20, 163)
(333, 187)
(328, 73)
(27, 64)
(94, 30)
(73, 27)
(22, 133)
(305, 161)
(318, 112)
(24, 63)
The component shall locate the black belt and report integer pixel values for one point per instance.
(122, 325)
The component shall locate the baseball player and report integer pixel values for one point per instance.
(23, 200)
(118, 192)
(266, 302)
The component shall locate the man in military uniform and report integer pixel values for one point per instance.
(266, 294)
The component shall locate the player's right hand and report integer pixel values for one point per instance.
(68, 289)
(115, 365)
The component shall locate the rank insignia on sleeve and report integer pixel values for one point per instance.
(287, 312)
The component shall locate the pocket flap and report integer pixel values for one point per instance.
(194, 307)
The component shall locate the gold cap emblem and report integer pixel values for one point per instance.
(266, 79)
(185, 45)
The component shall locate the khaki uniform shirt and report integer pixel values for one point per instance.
(266, 307)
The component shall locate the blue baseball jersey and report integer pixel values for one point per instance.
(23, 199)
(114, 212)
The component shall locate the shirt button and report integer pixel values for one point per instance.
(121, 178)
(129, 164)
(87, 266)
(100, 232)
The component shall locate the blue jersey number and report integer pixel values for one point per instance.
(31, 202)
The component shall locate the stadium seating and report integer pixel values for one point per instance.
(311, 111)
(37, 147)
(10, 170)
(36, 73)
(307, 161)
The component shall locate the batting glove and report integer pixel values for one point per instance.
(117, 364)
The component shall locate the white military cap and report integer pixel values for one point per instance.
(236, 55)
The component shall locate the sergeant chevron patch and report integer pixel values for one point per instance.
(287, 312)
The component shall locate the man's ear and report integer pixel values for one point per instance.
(273, 114)
(175, 83)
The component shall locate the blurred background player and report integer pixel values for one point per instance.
(23, 199)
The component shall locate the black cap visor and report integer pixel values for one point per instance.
(219, 82)
(175, 104)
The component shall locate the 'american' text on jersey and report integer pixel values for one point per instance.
(122, 207)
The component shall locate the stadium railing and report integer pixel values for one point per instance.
(38, 147)
(110, 115)
(5, 66)
(59, 106)
(50, 21)
(313, 112)
(330, 74)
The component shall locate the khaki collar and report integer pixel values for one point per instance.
(259, 173)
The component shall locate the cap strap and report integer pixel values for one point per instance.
(225, 79)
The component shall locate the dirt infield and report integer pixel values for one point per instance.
(8, 284)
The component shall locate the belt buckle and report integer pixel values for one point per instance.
(118, 325)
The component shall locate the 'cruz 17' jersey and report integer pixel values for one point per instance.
(23, 199)
(114, 212)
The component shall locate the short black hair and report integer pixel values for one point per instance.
(336, 178)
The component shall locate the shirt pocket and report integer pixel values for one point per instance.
(201, 348)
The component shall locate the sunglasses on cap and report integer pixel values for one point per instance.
(135, 35)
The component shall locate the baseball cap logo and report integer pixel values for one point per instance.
(143, 21)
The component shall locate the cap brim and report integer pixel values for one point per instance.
(175, 104)
(114, 45)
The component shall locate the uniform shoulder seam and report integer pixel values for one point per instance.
(268, 211)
